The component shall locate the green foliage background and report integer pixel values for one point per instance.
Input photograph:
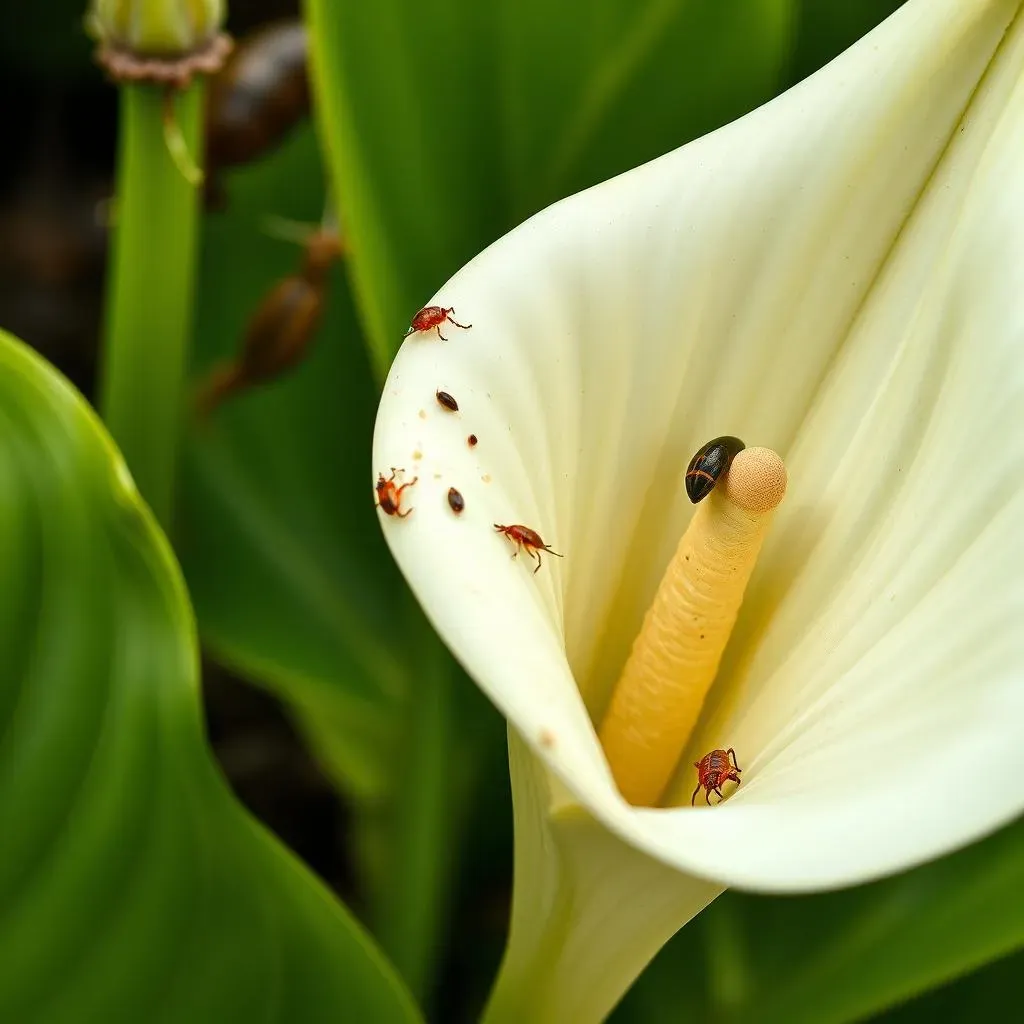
(129, 877)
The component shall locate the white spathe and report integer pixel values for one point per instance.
(839, 276)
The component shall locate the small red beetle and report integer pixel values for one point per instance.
(430, 318)
(713, 771)
(524, 537)
(389, 497)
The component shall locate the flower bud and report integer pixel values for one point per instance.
(163, 41)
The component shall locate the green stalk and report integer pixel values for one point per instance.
(149, 309)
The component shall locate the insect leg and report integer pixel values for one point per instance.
(695, 792)
(733, 752)
(439, 334)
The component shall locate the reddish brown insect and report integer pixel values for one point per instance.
(456, 501)
(430, 318)
(389, 496)
(713, 771)
(446, 400)
(471, 440)
(527, 539)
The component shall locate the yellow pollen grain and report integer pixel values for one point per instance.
(658, 697)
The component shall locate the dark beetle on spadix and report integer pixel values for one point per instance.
(711, 461)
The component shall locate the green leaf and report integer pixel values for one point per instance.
(984, 995)
(595, 89)
(132, 885)
(842, 956)
(826, 28)
(446, 123)
(871, 947)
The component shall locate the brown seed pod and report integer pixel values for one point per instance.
(455, 500)
(259, 96)
(278, 333)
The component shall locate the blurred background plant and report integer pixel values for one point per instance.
(336, 715)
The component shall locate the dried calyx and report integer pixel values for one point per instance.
(159, 42)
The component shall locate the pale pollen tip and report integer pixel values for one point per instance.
(756, 480)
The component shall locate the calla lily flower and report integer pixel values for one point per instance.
(838, 276)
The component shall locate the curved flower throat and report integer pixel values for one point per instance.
(658, 697)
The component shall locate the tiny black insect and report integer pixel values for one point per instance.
(443, 398)
(709, 464)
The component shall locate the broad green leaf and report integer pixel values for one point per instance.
(589, 90)
(826, 28)
(448, 122)
(987, 994)
(842, 956)
(132, 885)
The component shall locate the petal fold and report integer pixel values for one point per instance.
(590, 910)
(835, 275)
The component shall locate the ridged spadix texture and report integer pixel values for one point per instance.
(838, 276)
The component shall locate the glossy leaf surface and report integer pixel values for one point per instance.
(447, 123)
(132, 885)
(841, 956)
